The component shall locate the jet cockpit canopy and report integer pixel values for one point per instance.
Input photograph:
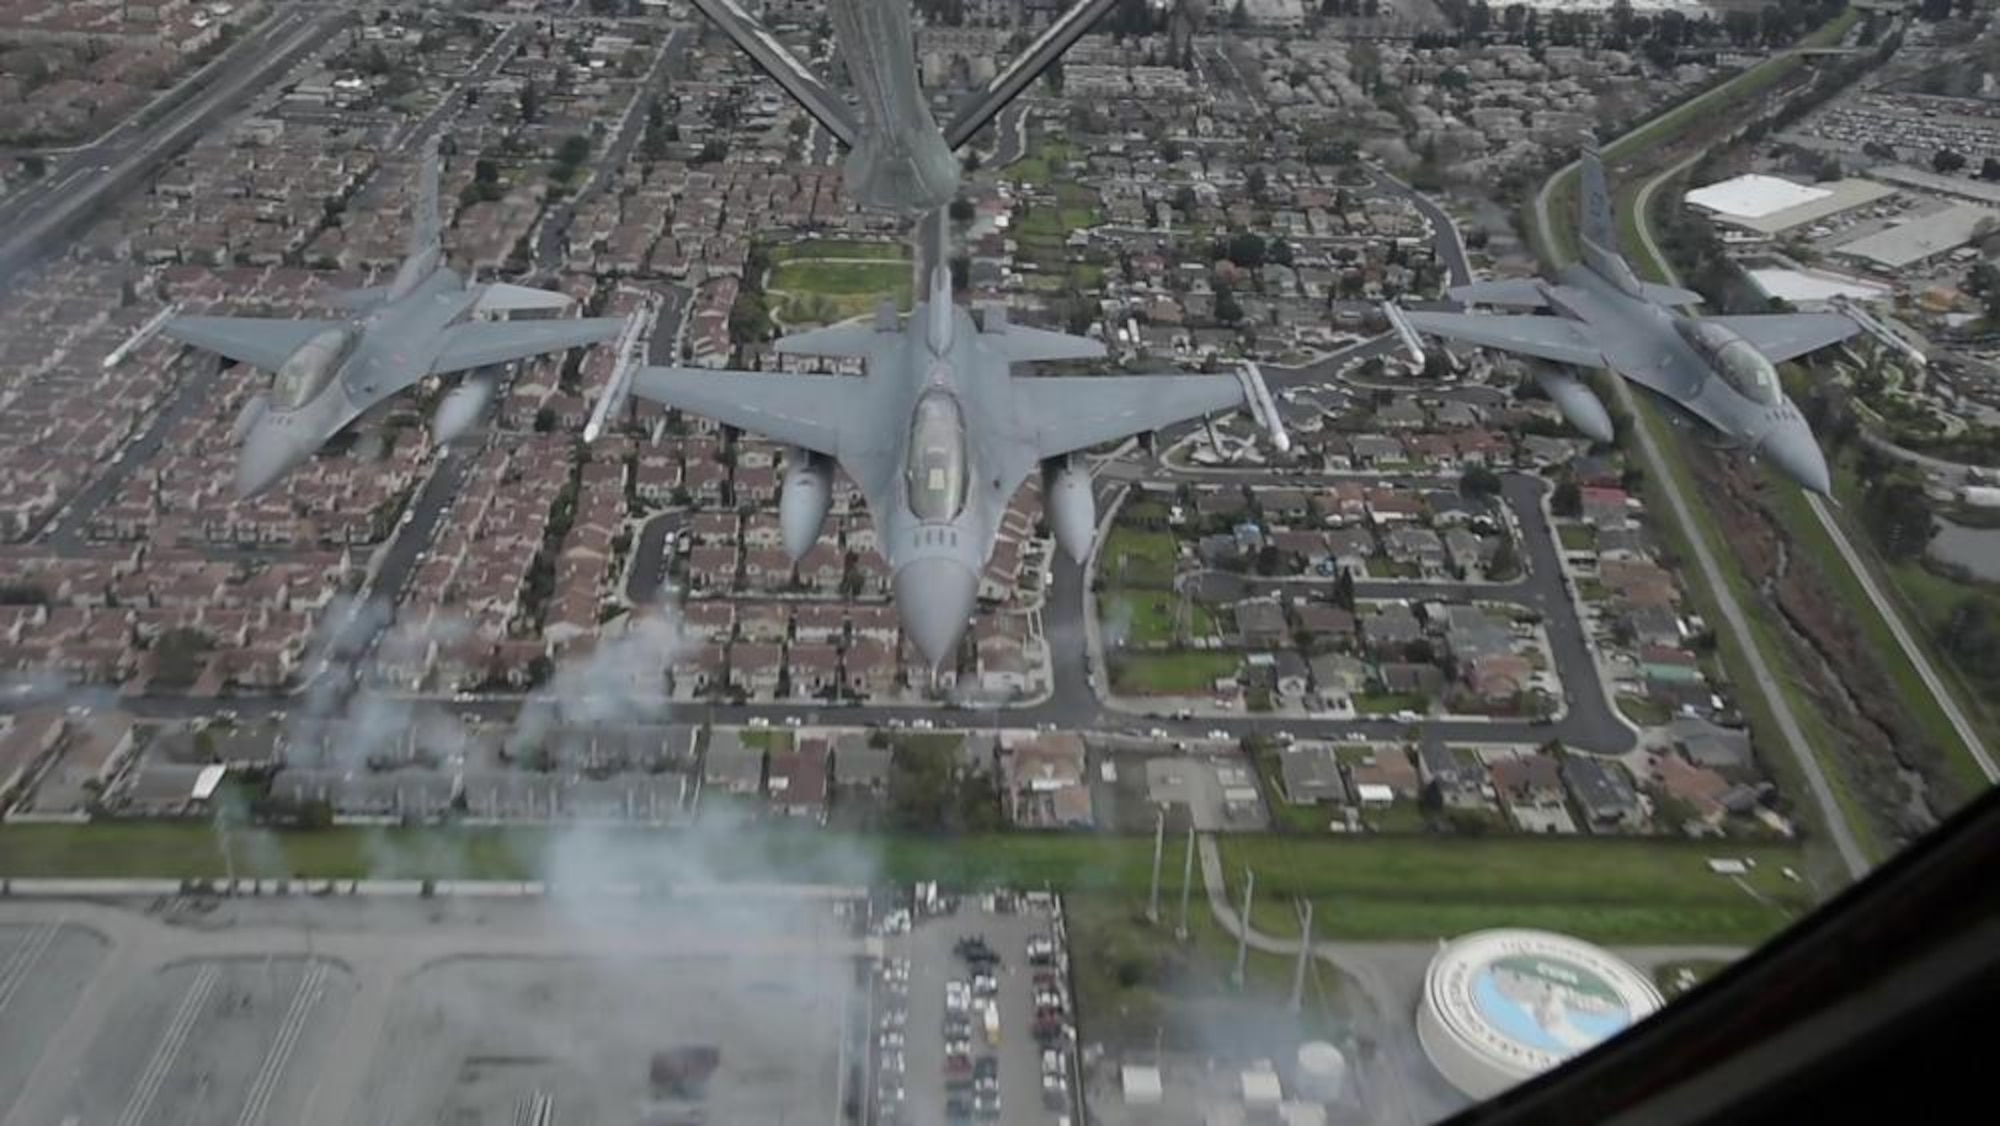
(936, 474)
(306, 372)
(1741, 364)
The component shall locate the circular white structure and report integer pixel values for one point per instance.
(1322, 1071)
(1500, 1006)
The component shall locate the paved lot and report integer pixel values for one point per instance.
(933, 961)
(478, 1040)
(213, 1040)
(43, 967)
(363, 1010)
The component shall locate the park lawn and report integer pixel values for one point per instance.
(1173, 674)
(1134, 558)
(1643, 711)
(1578, 537)
(1389, 703)
(1042, 223)
(839, 278)
(800, 310)
(1605, 890)
(1149, 617)
(767, 738)
(839, 248)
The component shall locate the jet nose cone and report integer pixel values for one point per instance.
(1797, 455)
(266, 456)
(935, 598)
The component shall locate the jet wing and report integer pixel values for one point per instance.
(1069, 413)
(1781, 336)
(261, 342)
(476, 344)
(1551, 338)
(799, 410)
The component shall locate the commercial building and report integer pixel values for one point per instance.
(1768, 206)
(1500, 1006)
(1923, 238)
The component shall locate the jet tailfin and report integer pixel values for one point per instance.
(1597, 226)
(426, 251)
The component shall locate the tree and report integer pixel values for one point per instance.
(1246, 249)
(1567, 501)
(1479, 483)
(1506, 562)
(1971, 635)
(1343, 590)
(1899, 515)
(1947, 161)
(1227, 311)
(961, 210)
(531, 103)
(1989, 169)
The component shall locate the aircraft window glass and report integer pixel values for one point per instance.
(1740, 363)
(935, 475)
(307, 371)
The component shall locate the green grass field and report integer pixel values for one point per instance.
(1411, 888)
(1131, 557)
(1148, 617)
(1578, 537)
(1644, 711)
(1172, 674)
(838, 279)
(1618, 891)
(839, 248)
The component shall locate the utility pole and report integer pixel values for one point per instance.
(1187, 886)
(1243, 927)
(1159, 842)
(1305, 956)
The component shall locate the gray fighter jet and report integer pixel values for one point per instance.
(938, 435)
(1718, 369)
(899, 158)
(423, 323)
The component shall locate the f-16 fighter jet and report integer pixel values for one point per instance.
(1718, 369)
(939, 434)
(422, 323)
(899, 158)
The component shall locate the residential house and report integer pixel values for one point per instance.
(1260, 624)
(1604, 793)
(1310, 774)
(731, 765)
(1046, 783)
(859, 765)
(1388, 767)
(797, 784)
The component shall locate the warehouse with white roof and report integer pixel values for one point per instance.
(1768, 206)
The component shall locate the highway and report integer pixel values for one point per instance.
(91, 178)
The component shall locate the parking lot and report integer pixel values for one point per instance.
(945, 1082)
(43, 968)
(214, 1040)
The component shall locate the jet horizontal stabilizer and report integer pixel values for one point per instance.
(1023, 345)
(842, 340)
(359, 300)
(500, 297)
(1672, 296)
(1517, 293)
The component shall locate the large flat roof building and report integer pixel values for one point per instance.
(1772, 205)
(1921, 239)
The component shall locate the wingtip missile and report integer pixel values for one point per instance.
(1404, 332)
(139, 339)
(622, 369)
(1263, 408)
